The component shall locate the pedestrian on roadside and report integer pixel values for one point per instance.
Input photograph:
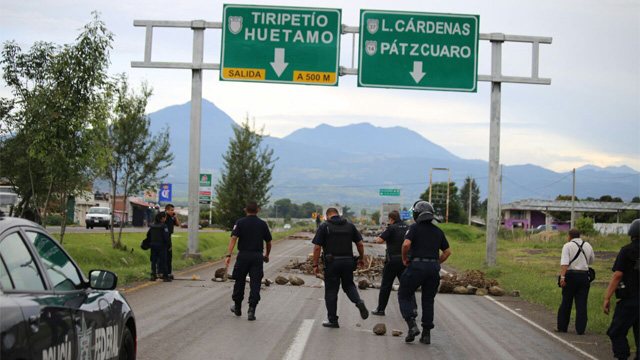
(249, 232)
(625, 282)
(334, 237)
(172, 221)
(318, 221)
(421, 255)
(393, 235)
(158, 235)
(577, 255)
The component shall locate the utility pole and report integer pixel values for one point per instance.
(500, 202)
(448, 186)
(573, 199)
(469, 205)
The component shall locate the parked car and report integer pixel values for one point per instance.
(98, 216)
(50, 309)
(545, 228)
(287, 226)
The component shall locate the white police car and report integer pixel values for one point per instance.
(49, 309)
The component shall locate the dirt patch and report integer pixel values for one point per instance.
(537, 251)
(606, 255)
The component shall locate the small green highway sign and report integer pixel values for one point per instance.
(390, 192)
(420, 51)
(292, 45)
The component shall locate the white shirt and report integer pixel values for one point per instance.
(569, 251)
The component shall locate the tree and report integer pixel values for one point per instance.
(439, 201)
(375, 216)
(59, 109)
(136, 156)
(475, 195)
(246, 175)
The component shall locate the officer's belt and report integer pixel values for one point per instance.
(395, 256)
(423, 260)
(343, 257)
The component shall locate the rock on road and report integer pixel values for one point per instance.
(189, 319)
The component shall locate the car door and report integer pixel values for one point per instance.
(91, 310)
(50, 331)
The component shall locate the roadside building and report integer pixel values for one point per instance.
(531, 213)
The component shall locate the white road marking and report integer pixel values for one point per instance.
(535, 325)
(297, 346)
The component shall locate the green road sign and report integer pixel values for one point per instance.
(422, 51)
(390, 192)
(292, 45)
(205, 180)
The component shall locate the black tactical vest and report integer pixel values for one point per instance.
(339, 238)
(155, 232)
(394, 245)
(631, 272)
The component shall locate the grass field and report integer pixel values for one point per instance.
(531, 264)
(94, 251)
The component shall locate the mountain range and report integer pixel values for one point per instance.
(349, 164)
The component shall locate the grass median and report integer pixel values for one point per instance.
(94, 251)
(530, 263)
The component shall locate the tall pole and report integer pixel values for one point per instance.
(500, 202)
(448, 184)
(194, 140)
(573, 199)
(469, 201)
(494, 154)
(430, 182)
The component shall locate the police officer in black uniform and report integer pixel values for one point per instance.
(393, 235)
(334, 237)
(158, 235)
(250, 232)
(421, 255)
(172, 221)
(626, 285)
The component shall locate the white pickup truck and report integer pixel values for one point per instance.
(98, 217)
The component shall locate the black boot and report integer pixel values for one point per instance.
(413, 330)
(236, 308)
(252, 313)
(426, 337)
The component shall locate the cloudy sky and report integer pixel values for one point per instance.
(590, 114)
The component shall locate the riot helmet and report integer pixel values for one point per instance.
(634, 229)
(422, 211)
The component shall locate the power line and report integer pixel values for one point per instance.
(555, 182)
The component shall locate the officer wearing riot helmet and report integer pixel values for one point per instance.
(393, 235)
(625, 282)
(421, 255)
(334, 237)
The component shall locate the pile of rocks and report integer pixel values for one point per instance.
(470, 282)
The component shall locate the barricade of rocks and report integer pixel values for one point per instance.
(470, 282)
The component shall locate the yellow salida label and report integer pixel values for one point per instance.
(243, 74)
(314, 77)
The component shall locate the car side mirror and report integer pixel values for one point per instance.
(103, 280)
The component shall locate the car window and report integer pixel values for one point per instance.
(20, 264)
(5, 280)
(99, 211)
(63, 274)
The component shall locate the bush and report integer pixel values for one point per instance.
(585, 225)
(56, 220)
(204, 224)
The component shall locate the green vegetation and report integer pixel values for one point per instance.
(531, 264)
(94, 251)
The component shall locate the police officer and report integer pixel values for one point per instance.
(393, 235)
(334, 237)
(249, 232)
(158, 235)
(626, 284)
(172, 221)
(421, 255)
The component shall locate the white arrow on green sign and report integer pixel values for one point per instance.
(292, 45)
(421, 51)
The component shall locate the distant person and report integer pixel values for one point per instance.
(625, 282)
(421, 255)
(318, 221)
(577, 255)
(250, 232)
(172, 221)
(158, 234)
(334, 237)
(393, 235)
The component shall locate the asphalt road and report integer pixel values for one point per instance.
(189, 319)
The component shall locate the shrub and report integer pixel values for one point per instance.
(585, 225)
